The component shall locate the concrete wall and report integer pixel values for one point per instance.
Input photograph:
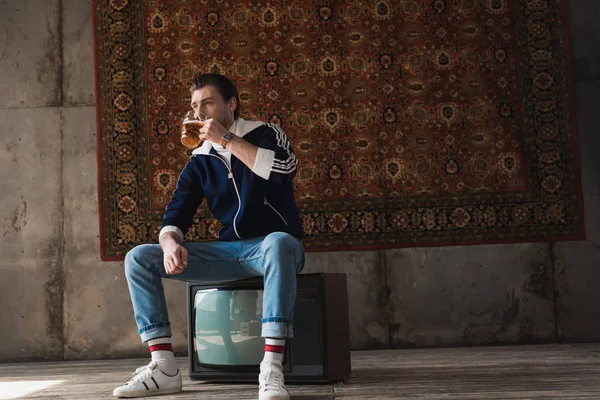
(60, 301)
(577, 264)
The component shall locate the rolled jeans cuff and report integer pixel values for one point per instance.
(277, 328)
(156, 330)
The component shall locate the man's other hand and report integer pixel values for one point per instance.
(212, 131)
(175, 259)
(175, 255)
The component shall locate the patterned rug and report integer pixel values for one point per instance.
(416, 122)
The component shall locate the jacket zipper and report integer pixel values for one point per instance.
(230, 176)
(273, 208)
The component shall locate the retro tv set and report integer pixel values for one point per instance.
(224, 331)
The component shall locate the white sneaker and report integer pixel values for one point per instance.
(270, 381)
(149, 381)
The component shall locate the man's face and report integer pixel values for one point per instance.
(209, 101)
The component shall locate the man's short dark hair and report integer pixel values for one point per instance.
(223, 85)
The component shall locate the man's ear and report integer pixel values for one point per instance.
(232, 104)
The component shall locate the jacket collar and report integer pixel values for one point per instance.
(240, 128)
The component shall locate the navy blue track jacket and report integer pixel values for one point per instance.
(247, 202)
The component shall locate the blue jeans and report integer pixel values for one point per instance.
(278, 257)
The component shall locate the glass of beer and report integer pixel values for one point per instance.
(190, 129)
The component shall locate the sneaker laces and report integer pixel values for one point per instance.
(271, 379)
(143, 373)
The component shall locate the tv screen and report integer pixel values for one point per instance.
(227, 327)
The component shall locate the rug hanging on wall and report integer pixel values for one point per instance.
(417, 122)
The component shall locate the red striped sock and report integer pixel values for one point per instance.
(162, 353)
(274, 349)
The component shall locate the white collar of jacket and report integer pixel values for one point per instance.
(240, 128)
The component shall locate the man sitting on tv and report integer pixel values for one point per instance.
(244, 170)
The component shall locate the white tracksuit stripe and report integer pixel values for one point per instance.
(283, 166)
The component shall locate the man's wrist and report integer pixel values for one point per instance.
(169, 239)
(228, 137)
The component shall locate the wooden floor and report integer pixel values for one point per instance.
(515, 372)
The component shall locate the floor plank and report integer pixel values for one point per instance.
(511, 372)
